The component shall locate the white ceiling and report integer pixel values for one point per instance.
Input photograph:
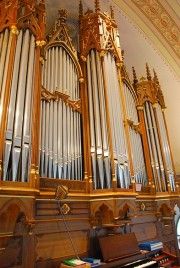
(143, 43)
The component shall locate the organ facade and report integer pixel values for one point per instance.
(74, 119)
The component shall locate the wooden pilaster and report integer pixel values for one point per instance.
(34, 173)
(14, 33)
(86, 130)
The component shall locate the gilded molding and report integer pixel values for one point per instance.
(140, 108)
(102, 53)
(154, 105)
(81, 80)
(40, 43)
(41, 60)
(14, 30)
(83, 58)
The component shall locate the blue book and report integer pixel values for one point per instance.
(92, 260)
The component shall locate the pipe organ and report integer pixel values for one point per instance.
(61, 137)
(74, 119)
(46, 133)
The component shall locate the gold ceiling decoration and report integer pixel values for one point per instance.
(163, 22)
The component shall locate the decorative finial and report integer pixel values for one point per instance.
(155, 77)
(80, 10)
(148, 72)
(62, 16)
(112, 12)
(134, 76)
(97, 6)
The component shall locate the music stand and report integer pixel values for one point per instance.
(60, 194)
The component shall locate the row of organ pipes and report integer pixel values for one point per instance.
(18, 128)
(60, 142)
(116, 149)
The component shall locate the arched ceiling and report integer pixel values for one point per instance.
(149, 33)
(159, 20)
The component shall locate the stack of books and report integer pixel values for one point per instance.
(151, 245)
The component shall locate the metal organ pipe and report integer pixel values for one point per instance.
(166, 148)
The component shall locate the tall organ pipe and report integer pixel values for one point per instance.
(166, 148)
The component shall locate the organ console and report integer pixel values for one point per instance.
(122, 250)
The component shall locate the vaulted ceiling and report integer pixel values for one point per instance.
(149, 33)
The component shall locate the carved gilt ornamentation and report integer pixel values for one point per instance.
(48, 96)
(136, 127)
(22, 14)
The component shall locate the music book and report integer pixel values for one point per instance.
(151, 245)
(91, 260)
(73, 262)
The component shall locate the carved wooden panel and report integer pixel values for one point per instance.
(12, 255)
(51, 208)
(57, 245)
